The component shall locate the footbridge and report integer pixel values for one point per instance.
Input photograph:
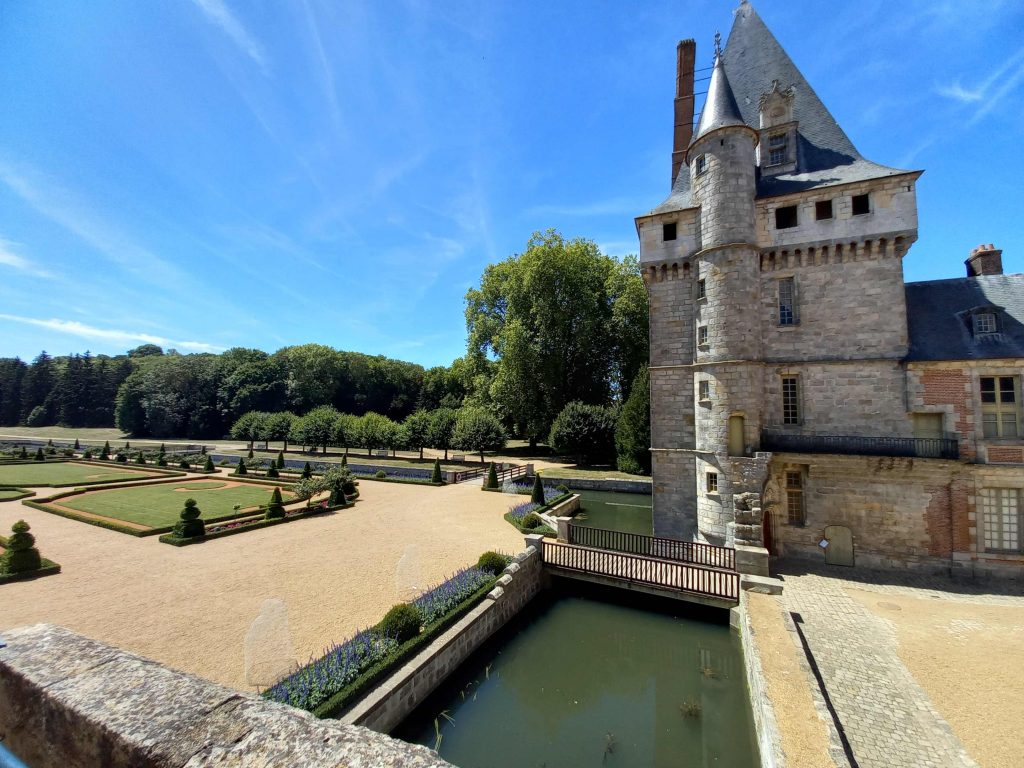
(682, 570)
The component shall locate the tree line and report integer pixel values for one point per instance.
(558, 324)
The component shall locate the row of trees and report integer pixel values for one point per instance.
(470, 428)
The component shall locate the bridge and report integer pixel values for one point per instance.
(683, 570)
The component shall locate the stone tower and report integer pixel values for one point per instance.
(774, 276)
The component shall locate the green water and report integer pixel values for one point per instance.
(629, 512)
(578, 681)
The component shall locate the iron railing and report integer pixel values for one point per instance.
(668, 574)
(922, 448)
(653, 546)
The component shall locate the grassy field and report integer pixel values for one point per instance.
(597, 474)
(65, 473)
(11, 493)
(159, 505)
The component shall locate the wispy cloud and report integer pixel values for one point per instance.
(75, 328)
(59, 205)
(9, 258)
(218, 13)
(990, 92)
(613, 207)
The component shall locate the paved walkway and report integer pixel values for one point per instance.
(885, 717)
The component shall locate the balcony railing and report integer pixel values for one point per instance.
(922, 448)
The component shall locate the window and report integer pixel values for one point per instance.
(777, 149)
(1001, 515)
(861, 205)
(790, 399)
(704, 390)
(702, 290)
(712, 482)
(668, 231)
(702, 336)
(999, 406)
(787, 302)
(822, 210)
(701, 164)
(984, 323)
(785, 217)
(795, 498)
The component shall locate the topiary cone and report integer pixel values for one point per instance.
(21, 555)
(39, 455)
(280, 459)
(437, 477)
(307, 471)
(241, 470)
(492, 476)
(208, 466)
(537, 497)
(190, 525)
(275, 509)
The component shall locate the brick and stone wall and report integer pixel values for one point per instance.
(70, 702)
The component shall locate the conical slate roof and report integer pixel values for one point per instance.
(720, 108)
(751, 61)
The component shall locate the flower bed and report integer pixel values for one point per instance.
(347, 671)
(517, 512)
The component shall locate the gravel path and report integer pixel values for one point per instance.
(190, 607)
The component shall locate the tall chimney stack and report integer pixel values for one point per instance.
(985, 260)
(685, 56)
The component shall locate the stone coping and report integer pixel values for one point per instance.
(68, 700)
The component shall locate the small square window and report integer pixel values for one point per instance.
(984, 323)
(822, 210)
(701, 164)
(712, 482)
(702, 289)
(668, 231)
(861, 205)
(704, 390)
(785, 217)
(702, 336)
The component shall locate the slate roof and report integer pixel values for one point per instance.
(752, 59)
(939, 323)
(720, 108)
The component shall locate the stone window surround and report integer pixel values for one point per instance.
(702, 290)
(996, 478)
(980, 408)
(702, 337)
(982, 543)
(783, 375)
(711, 483)
(700, 165)
(704, 391)
(802, 471)
(794, 302)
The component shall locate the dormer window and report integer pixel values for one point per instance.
(985, 324)
(778, 145)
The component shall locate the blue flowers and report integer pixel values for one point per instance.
(518, 511)
(445, 597)
(315, 683)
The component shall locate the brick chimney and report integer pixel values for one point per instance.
(685, 55)
(985, 260)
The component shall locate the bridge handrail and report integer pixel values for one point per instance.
(654, 546)
(671, 574)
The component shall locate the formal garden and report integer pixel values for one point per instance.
(62, 472)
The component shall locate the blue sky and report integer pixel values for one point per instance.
(214, 173)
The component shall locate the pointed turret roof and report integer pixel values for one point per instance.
(751, 61)
(720, 108)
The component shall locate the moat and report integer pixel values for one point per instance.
(590, 677)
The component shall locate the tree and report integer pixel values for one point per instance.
(478, 430)
(548, 315)
(442, 427)
(436, 476)
(633, 432)
(492, 477)
(537, 495)
(146, 350)
(417, 431)
(278, 426)
(586, 432)
(241, 469)
(275, 509)
(39, 379)
(250, 427)
(190, 524)
(377, 431)
(316, 428)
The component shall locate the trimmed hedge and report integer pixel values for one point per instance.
(47, 568)
(20, 493)
(408, 480)
(363, 684)
(260, 521)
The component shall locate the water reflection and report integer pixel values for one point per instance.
(629, 512)
(583, 681)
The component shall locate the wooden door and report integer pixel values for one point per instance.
(840, 545)
(736, 441)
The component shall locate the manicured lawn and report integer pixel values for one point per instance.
(159, 505)
(11, 493)
(597, 474)
(66, 473)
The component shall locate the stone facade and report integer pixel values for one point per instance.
(779, 321)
